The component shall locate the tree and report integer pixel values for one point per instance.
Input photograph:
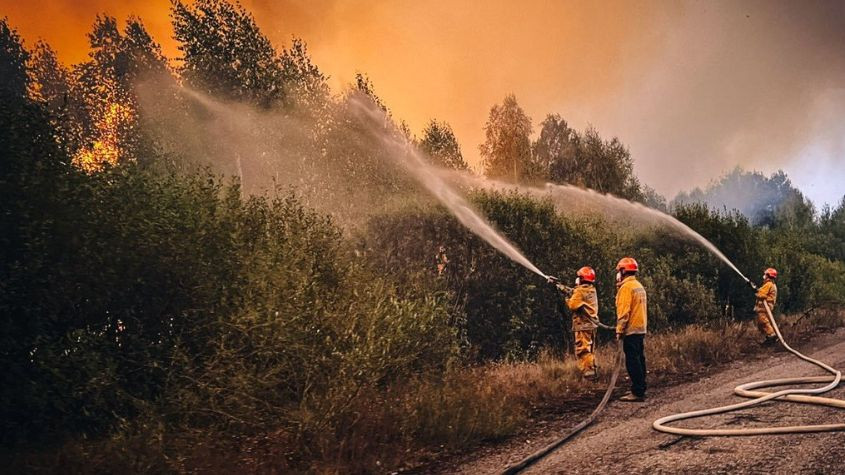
(364, 85)
(305, 84)
(440, 144)
(49, 80)
(225, 53)
(107, 112)
(653, 199)
(506, 151)
(832, 227)
(556, 150)
(767, 201)
(50, 84)
(107, 125)
(143, 55)
(607, 166)
(13, 58)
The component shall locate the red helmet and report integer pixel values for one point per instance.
(587, 274)
(627, 264)
(771, 273)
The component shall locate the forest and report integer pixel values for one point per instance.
(211, 261)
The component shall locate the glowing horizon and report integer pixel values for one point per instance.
(694, 89)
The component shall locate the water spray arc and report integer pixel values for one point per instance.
(435, 181)
(414, 163)
(439, 183)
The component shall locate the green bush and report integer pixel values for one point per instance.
(507, 310)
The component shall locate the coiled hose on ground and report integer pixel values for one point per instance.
(743, 390)
(748, 390)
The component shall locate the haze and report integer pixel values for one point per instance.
(693, 88)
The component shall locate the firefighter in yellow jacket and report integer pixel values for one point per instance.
(631, 324)
(584, 305)
(768, 292)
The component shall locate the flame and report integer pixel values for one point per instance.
(107, 148)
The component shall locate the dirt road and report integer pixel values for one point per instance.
(622, 441)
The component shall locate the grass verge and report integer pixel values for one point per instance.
(412, 424)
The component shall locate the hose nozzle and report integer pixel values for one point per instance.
(751, 284)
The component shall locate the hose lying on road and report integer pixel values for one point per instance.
(533, 458)
(748, 390)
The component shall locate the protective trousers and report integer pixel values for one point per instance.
(763, 323)
(635, 362)
(584, 350)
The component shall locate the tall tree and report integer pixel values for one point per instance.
(50, 86)
(143, 55)
(106, 105)
(556, 150)
(607, 166)
(565, 156)
(49, 78)
(506, 151)
(440, 144)
(107, 122)
(32, 169)
(224, 53)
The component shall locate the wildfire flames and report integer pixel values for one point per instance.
(106, 149)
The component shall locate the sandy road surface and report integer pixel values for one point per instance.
(622, 441)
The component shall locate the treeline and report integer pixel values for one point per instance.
(158, 316)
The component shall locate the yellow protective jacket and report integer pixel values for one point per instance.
(585, 307)
(631, 313)
(767, 292)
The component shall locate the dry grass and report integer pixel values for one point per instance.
(392, 427)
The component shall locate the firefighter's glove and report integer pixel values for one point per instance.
(752, 285)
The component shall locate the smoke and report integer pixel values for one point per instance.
(694, 88)
(757, 84)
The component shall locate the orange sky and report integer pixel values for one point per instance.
(693, 88)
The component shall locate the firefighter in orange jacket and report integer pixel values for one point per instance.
(631, 324)
(584, 305)
(768, 292)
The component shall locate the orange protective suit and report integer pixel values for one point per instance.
(584, 305)
(768, 292)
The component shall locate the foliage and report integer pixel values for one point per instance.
(187, 323)
(441, 145)
(13, 58)
(224, 52)
(508, 311)
(506, 151)
(766, 201)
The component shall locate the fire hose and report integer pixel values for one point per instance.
(536, 456)
(744, 390)
(748, 390)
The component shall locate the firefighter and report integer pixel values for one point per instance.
(768, 292)
(584, 305)
(631, 323)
